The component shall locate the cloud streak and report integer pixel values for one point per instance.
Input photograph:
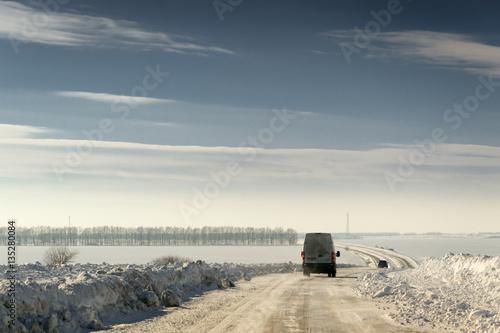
(110, 98)
(29, 24)
(442, 49)
(8, 131)
(149, 163)
(446, 50)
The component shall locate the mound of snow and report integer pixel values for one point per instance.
(74, 297)
(455, 293)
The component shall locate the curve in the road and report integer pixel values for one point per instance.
(373, 255)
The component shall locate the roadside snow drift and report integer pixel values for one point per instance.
(458, 293)
(74, 297)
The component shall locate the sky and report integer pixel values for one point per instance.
(251, 113)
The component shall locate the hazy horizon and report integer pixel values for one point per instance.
(251, 113)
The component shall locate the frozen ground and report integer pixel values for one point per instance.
(455, 293)
(458, 293)
(280, 303)
(75, 297)
(143, 254)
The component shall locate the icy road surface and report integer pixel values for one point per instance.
(275, 303)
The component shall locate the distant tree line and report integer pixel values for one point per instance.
(150, 236)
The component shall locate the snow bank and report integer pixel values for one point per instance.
(459, 293)
(74, 297)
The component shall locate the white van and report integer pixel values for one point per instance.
(319, 254)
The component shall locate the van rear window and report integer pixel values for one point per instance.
(318, 243)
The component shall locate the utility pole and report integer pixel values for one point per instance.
(347, 227)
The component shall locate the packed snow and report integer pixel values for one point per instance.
(457, 293)
(73, 297)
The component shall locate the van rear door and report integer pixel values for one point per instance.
(318, 248)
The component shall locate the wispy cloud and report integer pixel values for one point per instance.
(31, 24)
(445, 50)
(33, 158)
(442, 49)
(8, 131)
(110, 98)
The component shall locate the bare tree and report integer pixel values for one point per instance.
(59, 255)
(165, 260)
(144, 236)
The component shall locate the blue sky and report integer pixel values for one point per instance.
(284, 113)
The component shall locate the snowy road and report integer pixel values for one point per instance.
(274, 303)
(372, 255)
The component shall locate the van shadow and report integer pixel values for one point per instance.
(326, 277)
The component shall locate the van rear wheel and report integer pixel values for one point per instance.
(329, 274)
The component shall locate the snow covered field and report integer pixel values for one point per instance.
(144, 254)
(458, 293)
(455, 293)
(74, 297)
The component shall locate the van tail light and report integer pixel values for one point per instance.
(333, 256)
(303, 255)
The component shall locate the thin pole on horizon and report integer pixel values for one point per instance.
(347, 227)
